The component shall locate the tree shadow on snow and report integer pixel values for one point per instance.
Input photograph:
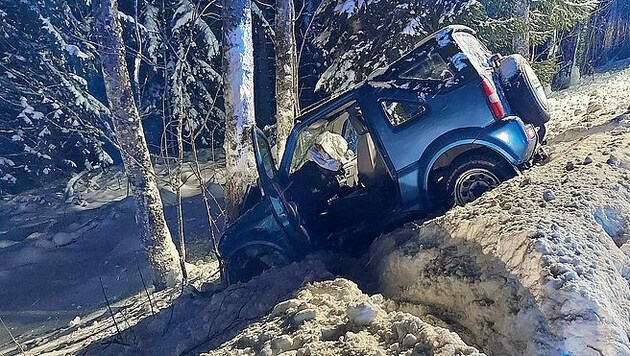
(56, 259)
(196, 323)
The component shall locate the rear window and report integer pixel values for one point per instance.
(430, 67)
(476, 51)
(400, 112)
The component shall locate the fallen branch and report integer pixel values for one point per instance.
(109, 307)
(12, 337)
(146, 290)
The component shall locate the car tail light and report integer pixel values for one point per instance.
(530, 131)
(493, 100)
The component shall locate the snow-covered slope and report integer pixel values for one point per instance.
(58, 242)
(536, 266)
(335, 318)
(591, 102)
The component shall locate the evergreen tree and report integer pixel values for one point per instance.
(356, 37)
(51, 122)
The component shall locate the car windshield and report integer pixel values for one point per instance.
(476, 51)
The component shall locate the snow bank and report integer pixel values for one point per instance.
(532, 267)
(592, 102)
(194, 322)
(336, 318)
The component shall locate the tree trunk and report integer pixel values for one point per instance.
(286, 73)
(520, 41)
(238, 88)
(156, 237)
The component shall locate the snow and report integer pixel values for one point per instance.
(349, 7)
(540, 265)
(29, 112)
(591, 103)
(412, 29)
(459, 61)
(53, 254)
(509, 68)
(8, 178)
(342, 321)
(6, 162)
(186, 15)
(443, 37)
(518, 272)
(73, 50)
(76, 51)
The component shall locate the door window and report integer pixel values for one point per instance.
(400, 112)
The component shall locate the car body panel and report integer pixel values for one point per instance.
(258, 225)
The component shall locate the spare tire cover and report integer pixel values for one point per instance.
(523, 90)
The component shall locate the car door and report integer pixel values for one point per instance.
(284, 211)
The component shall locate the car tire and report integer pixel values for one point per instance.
(252, 261)
(469, 176)
(524, 91)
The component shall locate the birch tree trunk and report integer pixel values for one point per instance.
(520, 41)
(238, 87)
(287, 104)
(156, 237)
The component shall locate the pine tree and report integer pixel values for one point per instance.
(357, 36)
(51, 123)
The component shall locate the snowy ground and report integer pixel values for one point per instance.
(55, 250)
(592, 102)
(537, 261)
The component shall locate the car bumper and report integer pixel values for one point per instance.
(512, 138)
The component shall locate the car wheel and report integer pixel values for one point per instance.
(252, 261)
(470, 176)
(524, 91)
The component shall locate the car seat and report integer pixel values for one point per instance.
(370, 164)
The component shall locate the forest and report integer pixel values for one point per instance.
(152, 153)
(56, 120)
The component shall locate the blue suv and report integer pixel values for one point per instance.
(439, 127)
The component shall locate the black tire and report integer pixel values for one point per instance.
(252, 261)
(524, 91)
(471, 175)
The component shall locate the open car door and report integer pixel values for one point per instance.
(284, 211)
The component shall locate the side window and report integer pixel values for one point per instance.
(399, 112)
(431, 67)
